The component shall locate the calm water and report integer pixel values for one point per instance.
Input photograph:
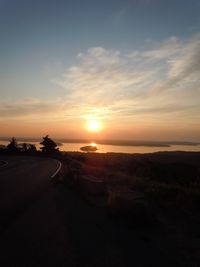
(122, 149)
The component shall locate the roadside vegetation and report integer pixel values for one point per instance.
(160, 192)
(48, 147)
(169, 179)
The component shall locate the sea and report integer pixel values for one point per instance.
(105, 148)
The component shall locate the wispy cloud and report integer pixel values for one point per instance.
(118, 16)
(26, 107)
(161, 83)
(103, 76)
(163, 79)
(164, 50)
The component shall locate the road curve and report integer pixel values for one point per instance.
(22, 180)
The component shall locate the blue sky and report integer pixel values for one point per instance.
(131, 64)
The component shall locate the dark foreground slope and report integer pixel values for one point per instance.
(62, 229)
(64, 226)
(170, 184)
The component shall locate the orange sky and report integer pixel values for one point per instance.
(120, 132)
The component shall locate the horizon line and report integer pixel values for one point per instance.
(108, 141)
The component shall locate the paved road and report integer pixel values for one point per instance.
(56, 227)
(21, 182)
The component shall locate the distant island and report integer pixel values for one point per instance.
(88, 148)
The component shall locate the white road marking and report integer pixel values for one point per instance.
(58, 169)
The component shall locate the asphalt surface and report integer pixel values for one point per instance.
(22, 180)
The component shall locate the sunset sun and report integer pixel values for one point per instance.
(93, 126)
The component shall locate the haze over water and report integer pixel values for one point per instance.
(128, 149)
(105, 148)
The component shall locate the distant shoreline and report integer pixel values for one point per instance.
(111, 142)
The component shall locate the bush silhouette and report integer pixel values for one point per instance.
(49, 146)
(12, 146)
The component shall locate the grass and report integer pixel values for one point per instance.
(169, 182)
(168, 179)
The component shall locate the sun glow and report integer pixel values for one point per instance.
(93, 144)
(94, 126)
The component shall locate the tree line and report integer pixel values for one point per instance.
(49, 146)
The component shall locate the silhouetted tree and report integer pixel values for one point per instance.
(32, 148)
(49, 146)
(26, 147)
(12, 146)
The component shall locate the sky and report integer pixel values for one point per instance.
(133, 66)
